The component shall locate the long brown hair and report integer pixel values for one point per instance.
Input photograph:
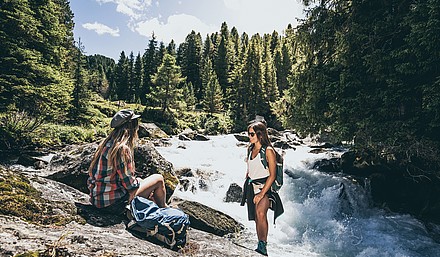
(124, 140)
(261, 132)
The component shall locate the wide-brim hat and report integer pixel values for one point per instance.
(122, 117)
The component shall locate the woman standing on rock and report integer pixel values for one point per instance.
(257, 189)
(111, 182)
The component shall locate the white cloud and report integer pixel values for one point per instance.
(177, 27)
(131, 8)
(264, 16)
(101, 29)
(233, 4)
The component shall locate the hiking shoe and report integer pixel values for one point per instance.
(261, 248)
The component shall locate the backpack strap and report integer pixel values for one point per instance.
(249, 151)
(263, 156)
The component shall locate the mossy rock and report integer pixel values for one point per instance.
(20, 199)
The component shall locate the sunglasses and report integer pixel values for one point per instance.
(251, 134)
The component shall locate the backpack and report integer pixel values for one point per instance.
(278, 183)
(168, 225)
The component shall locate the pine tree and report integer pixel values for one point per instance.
(131, 90)
(171, 48)
(212, 99)
(137, 79)
(166, 81)
(33, 75)
(189, 97)
(270, 78)
(191, 61)
(150, 64)
(80, 94)
(223, 58)
(253, 78)
(121, 78)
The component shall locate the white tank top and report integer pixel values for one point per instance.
(256, 169)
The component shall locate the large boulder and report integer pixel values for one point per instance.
(151, 131)
(71, 166)
(62, 223)
(207, 219)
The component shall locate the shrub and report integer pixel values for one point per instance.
(167, 121)
(52, 134)
(16, 129)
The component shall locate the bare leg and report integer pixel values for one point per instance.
(261, 223)
(153, 185)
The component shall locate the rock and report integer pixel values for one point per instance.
(92, 234)
(184, 172)
(189, 134)
(71, 166)
(26, 160)
(317, 151)
(328, 165)
(234, 193)
(242, 137)
(200, 137)
(207, 219)
(323, 145)
(40, 165)
(151, 131)
(184, 138)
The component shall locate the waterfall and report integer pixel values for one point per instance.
(325, 214)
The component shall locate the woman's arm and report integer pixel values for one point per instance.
(125, 171)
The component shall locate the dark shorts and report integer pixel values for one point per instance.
(117, 207)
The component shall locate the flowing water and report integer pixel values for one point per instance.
(325, 215)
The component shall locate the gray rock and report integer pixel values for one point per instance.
(207, 219)
(71, 166)
(104, 235)
(234, 193)
(151, 131)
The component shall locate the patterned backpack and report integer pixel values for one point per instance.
(168, 225)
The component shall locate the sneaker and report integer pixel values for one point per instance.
(261, 248)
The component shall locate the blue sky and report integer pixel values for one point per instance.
(108, 27)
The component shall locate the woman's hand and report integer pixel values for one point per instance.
(258, 197)
(132, 194)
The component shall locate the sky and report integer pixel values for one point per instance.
(108, 27)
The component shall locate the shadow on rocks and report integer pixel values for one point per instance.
(97, 218)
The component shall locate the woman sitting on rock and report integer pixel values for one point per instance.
(111, 181)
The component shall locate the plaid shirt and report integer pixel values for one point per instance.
(107, 185)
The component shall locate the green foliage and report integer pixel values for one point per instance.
(205, 122)
(213, 96)
(58, 135)
(190, 61)
(215, 124)
(166, 82)
(78, 114)
(166, 120)
(189, 97)
(17, 129)
(35, 56)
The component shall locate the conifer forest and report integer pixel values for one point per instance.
(366, 72)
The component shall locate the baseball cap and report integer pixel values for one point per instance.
(122, 117)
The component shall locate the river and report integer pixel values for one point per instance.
(318, 220)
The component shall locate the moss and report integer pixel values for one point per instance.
(170, 180)
(18, 198)
(28, 254)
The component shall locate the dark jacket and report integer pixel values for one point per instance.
(248, 197)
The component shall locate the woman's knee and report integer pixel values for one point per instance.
(158, 178)
(261, 214)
